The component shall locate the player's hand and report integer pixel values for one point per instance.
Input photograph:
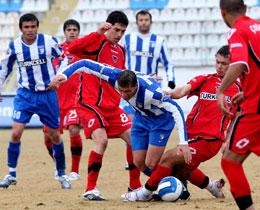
(222, 104)
(185, 149)
(103, 28)
(171, 84)
(237, 99)
(55, 83)
(155, 78)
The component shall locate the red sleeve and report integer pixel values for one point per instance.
(79, 45)
(196, 84)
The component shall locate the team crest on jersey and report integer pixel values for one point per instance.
(230, 33)
(41, 49)
(115, 58)
(152, 44)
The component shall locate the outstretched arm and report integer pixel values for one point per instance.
(179, 92)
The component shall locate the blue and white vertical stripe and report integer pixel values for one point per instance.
(34, 62)
(145, 52)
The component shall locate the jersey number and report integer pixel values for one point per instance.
(242, 143)
(124, 118)
(16, 114)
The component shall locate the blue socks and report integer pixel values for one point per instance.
(147, 172)
(13, 152)
(59, 157)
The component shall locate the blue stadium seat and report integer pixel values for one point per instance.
(149, 4)
(15, 5)
(161, 4)
(4, 6)
(136, 4)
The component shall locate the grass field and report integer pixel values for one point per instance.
(36, 188)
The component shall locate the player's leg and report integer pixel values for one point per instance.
(240, 146)
(13, 154)
(134, 172)
(73, 125)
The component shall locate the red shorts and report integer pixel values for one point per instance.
(71, 119)
(114, 121)
(203, 150)
(245, 134)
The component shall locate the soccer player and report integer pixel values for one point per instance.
(205, 128)
(206, 125)
(34, 53)
(156, 114)
(243, 40)
(67, 94)
(98, 105)
(144, 52)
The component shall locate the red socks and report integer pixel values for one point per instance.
(199, 179)
(239, 186)
(157, 176)
(94, 165)
(76, 150)
(48, 145)
(134, 173)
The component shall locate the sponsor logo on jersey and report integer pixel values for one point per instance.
(255, 28)
(152, 44)
(41, 49)
(144, 54)
(230, 33)
(35, 62)
(115, 58)
(211, 96)
(236, 45)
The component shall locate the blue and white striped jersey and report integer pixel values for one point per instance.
(34, 62)
(145, 52)
(148, 101)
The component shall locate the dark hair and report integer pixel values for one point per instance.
(127, 78)
(26, 18)
(117, 17)
(232, 6)
(143, 12)
(224, 51)
(70, 22)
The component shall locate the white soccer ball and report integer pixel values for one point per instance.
(170, 189)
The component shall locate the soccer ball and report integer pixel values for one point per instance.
(170, 189)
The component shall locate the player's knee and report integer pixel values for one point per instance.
(74, 130)
(140, 164)
(150, 164)
(55, 137)
(16, 136)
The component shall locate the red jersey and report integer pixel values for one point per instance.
(94, 91)
(243, 40)
(205, 118)
(67, 92)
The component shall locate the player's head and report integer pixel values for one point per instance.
(222, 61)
(119, 22)
(28, 24)
(231, 10)
(71, 30)
(127, 84)
(143, 21)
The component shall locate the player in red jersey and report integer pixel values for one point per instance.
(98, 105)
(205, 128)
(67, 94)
(243, 40)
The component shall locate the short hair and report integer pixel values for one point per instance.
(143, 12)
(70, 22)
(117, 17)
(232, 6)
(224, 51)
(127, 78)
(26, 18)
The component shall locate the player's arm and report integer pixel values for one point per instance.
(179, 92)
(6, 66)
(231, 76)
(109, 74)
(168, 64)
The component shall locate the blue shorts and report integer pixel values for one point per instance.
(126, 107)
(43, 103)
(154, 131)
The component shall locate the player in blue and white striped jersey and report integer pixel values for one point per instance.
(34, 53)
(155, 116)
(145, 50)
